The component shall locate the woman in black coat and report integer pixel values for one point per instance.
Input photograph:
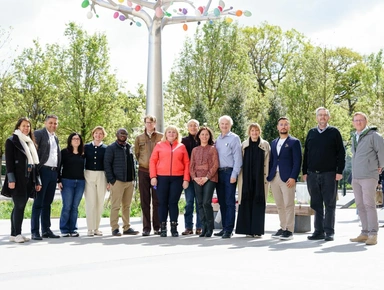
(22, 175)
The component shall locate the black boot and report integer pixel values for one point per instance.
(203, 232)
(174, 231)
(163, 229)
(208, 233)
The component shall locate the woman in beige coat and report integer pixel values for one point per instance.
(253, 184)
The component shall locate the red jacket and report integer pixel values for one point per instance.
(169, 160)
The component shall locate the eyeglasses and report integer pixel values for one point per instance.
(359, 120)
(76, 139)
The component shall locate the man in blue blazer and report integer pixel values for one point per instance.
(284, 168)
(50, 157)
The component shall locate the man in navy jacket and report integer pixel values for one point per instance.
(284, 168)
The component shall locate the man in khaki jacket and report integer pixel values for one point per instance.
(144, 145)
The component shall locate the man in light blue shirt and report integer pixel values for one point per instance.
(228, 146)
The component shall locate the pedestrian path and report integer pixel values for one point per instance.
(190, 262)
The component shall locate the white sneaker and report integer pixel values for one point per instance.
(98, 233)
(25, 238)
(19, 239)
(12, 238)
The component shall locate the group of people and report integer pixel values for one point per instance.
(197, 164)
(35, 166)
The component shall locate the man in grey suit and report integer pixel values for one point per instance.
(49, 155)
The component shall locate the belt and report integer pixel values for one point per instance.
(225, 168)
(316, 171)
(50, 168)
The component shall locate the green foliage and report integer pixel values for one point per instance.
(270, 53)
(269, 132)
(36, 84)
(199, 111)
(90, 93)
(234, 108)
(208, 67)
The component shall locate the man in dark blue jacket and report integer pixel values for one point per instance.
(284, 168)
(120, 173)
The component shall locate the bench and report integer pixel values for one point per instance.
(303, 214)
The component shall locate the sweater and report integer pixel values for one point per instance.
(94, 156)
(72, 165)
(324, 152)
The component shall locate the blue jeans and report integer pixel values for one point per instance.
(42, 203)
(71, 194)
(226, 193)
(322, 188)
(191, 202)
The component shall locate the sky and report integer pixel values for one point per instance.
(356, 24)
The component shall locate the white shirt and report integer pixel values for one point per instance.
(52, 159)
(278, 148)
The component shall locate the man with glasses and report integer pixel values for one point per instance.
(323, 165)
(367, 164)
(228, 146)
(120, 173)
(144, 145)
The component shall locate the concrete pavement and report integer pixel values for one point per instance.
(190, 262)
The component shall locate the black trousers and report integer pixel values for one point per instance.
(322, 188)
(204, 201)
(17, 215)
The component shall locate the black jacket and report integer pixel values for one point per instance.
(118, 163)
(17, 169)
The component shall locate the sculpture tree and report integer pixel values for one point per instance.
(141, 9)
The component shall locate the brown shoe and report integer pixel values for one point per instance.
(198, 232)
(372, 240)
(187, 232)
(359, 239)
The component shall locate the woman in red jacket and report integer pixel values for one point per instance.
(169, 172)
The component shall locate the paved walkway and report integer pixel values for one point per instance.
(136, 262)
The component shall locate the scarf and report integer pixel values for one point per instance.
(28, 146)
(253, 172)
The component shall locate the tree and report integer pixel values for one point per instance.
(8, 95)
(270, 52)
(209, 67)
(349, 70)
(35, 80)
(199, 112)
(234, 107)
(274, 113)
(89, 93)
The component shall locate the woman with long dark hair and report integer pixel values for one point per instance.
(71, 184)
(203, 168)
(22, 174)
